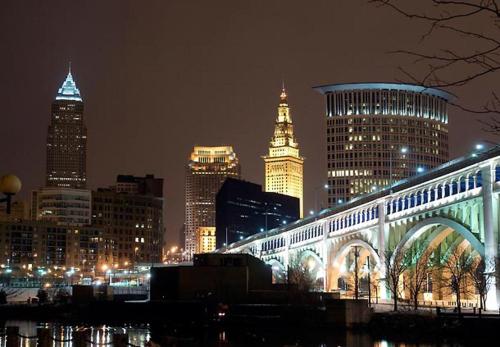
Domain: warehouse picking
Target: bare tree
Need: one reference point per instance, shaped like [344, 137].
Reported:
[396, 264]
[458, 266]
[481, 279]
[417, 276]
[474, 21]
[299, 275]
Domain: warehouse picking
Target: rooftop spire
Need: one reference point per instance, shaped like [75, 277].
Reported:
[68, 90]
[283, 96]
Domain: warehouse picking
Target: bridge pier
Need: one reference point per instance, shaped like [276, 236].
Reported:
[490, 222]
[382, 233]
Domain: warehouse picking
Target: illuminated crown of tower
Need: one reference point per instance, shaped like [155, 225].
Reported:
[283, 129]
[68, 90]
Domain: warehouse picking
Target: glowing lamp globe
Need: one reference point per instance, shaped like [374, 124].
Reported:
[10, 184]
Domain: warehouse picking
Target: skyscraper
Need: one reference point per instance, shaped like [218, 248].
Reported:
[283, 165]
[243, 209]
[207, 169]
[67, 139]
[379, 133]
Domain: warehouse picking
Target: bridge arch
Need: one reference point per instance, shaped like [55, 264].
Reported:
[278, 270]
[420, 228]
[342, 252]
[339, 256]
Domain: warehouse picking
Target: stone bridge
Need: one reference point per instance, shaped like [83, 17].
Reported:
[452, 207]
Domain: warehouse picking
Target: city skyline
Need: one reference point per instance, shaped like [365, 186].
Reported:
[150, 108]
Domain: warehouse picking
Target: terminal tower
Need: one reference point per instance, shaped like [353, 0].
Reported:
[284, 167]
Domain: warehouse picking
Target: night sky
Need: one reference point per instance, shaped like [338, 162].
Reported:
[158, 77]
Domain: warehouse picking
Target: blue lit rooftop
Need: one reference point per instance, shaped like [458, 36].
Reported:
[68, 90]
[330, 88]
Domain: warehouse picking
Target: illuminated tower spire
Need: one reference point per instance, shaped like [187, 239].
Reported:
[283, 164]
[68, 90]
[67, 139]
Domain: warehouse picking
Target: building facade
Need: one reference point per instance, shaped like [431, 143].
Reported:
[147, 185]
[243, 209]
[379, 133]
[62, 206]
[132, 224]
[205, 239]
[206, 172]
[67, 139]
[284, 167]
[26, 245]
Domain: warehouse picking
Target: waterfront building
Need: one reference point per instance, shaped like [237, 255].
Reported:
[223, 277]
[283, 165]
[27, 245]
[132, 223]
[67, 139]
[379, 133]
[63, 206]
[243, 209]
[206, 172]
[205, 239]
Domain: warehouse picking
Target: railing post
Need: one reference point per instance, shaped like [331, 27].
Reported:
[43, 336]
[12, 336]
[120, 340]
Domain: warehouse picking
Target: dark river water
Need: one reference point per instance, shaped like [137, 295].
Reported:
[139, 335]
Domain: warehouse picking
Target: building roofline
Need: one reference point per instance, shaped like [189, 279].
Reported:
[329, 88]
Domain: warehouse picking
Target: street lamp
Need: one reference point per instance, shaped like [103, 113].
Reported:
[356, 279]
[9, 186]
[420, 169]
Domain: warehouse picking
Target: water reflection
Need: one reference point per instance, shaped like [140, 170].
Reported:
[62, 335]
[139, 335]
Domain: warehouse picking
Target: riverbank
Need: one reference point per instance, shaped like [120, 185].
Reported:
[423, 326]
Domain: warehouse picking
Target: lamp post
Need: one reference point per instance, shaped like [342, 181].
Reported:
[356, 279]
[9, 186]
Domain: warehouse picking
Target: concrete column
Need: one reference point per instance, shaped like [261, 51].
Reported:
[325, 250]
[383, 229]
[490, 219]
[286, 256]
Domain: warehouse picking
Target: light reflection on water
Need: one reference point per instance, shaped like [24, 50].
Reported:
[99, 335]
[140, 335]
